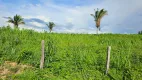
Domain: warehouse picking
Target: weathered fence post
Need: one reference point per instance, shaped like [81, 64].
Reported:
[108, 59]
[42, 55]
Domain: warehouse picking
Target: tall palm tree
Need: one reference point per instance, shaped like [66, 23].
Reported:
[50, 26]
[99, 14]
[16, 20]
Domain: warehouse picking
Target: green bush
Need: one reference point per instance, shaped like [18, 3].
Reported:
[24, 55]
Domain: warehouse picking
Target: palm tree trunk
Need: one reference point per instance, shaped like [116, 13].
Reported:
[98, 26]
[50, 30]
[16, 26]
[97, 31]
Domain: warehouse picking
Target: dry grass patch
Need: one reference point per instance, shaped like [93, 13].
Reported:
[10, 68]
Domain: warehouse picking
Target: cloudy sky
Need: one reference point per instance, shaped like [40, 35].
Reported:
[73, 16]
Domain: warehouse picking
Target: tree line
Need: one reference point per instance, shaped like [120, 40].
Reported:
[98, 15]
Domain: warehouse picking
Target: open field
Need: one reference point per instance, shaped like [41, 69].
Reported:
[72, 56]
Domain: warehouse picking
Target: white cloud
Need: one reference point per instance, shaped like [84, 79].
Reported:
[69, 20]
[36, 24]
[41, 17]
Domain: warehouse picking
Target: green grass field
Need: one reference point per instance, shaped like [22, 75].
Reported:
[72, 56]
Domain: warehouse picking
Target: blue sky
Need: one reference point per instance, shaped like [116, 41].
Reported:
[73, 16]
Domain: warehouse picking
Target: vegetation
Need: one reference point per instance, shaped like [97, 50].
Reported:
[140, 32]
[99, 14]
[16, 20]
[50, 26]
[71, 56]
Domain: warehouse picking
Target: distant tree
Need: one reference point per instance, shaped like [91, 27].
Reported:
[16, 20]
[50, 26]
[140, 32]
[99, 14]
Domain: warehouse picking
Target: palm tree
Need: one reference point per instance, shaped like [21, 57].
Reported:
[99, 14]
[16, 20]
[50, 26]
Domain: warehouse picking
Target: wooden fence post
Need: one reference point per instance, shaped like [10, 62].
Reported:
[108, 59]
[42, 55]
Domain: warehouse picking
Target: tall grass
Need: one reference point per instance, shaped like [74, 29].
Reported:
[73, 56]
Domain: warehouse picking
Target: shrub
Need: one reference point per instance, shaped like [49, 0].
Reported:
[25, 54]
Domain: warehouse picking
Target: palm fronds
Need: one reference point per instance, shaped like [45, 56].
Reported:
[99, 14]
[16, 20]
[50, 26]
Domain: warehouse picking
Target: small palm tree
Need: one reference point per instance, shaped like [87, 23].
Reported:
[16, 20]
[50, 26]
[99, 14]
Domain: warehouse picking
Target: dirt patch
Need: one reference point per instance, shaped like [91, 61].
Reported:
[11, 68]
[11, 63]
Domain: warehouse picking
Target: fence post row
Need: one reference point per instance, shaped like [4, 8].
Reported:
[42, 57]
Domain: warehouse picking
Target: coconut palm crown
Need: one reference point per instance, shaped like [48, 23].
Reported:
[16, 20]
[99, 14]
[50, 26]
